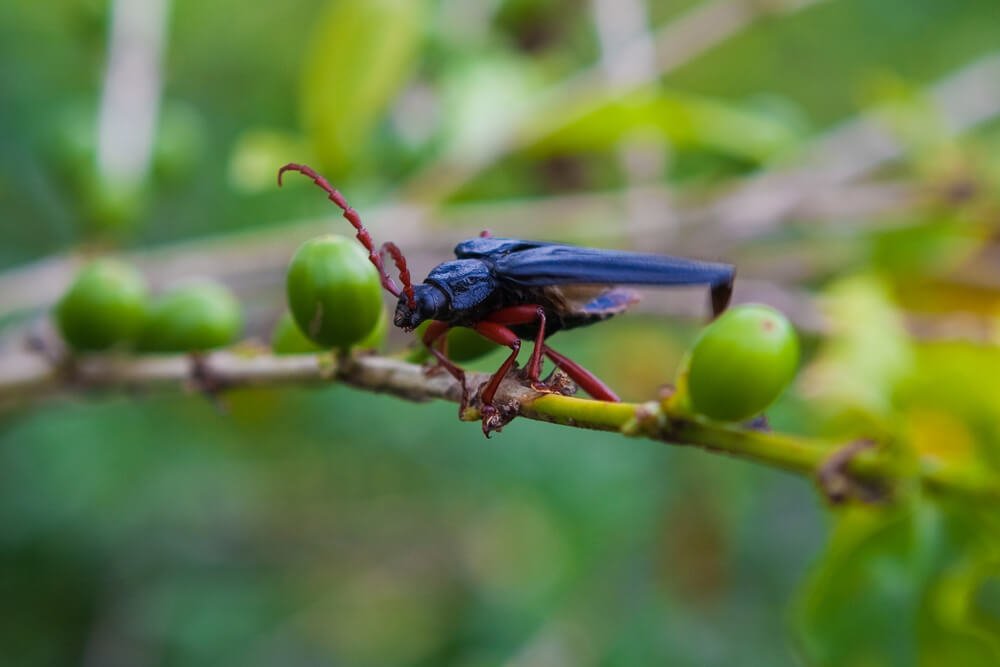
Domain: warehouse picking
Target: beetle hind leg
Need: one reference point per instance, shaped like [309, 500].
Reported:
[526, 315]
[587, 381]
[719, 297]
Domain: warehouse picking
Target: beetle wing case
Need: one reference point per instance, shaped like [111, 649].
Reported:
[490, 247]
[563, 265]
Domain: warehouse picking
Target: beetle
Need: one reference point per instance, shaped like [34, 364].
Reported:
[512, 289]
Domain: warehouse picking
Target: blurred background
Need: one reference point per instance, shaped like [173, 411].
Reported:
[845, 154]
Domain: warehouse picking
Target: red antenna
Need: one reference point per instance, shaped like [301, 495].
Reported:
[366, 239]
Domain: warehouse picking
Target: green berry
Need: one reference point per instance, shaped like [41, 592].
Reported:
[334, 292]
[287, 338]
[104, 306]
[741, 363]
[376, 338]
[464, 344]
[193, 317]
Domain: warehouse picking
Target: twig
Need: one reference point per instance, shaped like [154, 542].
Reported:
[33, 379]
[133, 82]
[964, 99]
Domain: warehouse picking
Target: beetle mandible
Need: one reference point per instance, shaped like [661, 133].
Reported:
[511, 289]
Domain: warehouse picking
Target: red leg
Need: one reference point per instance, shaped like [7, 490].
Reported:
[503, 336]
[433, 338]
[587, 380]
[525, 315]
[492, 419]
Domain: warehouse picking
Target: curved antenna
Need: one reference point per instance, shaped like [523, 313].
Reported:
[362, 234]
[404, 271]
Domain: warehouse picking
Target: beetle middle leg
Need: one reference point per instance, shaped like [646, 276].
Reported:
[526, 315]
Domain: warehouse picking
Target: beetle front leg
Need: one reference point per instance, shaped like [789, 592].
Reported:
[435, 338]
[434, 334]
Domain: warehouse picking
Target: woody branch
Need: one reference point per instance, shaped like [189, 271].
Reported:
[840, 468]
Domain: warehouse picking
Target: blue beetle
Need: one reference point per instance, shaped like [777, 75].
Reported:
[511, 289]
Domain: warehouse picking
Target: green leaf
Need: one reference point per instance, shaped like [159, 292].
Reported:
[863, 362]
[898, 586]
[859, 607]
[360, 54]
[954, 629]
[930, 247]
[953, 403]
[684, 120]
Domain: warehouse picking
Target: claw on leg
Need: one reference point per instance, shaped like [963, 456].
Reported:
[495, 417]
[542, 388]
[491, 420]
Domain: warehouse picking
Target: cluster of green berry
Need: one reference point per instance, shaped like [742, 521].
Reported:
[334, 296]
[109, 306]
[736, 368]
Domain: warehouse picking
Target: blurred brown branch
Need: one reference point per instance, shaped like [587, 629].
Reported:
[255, 263]
[964, 100]
[260, 257]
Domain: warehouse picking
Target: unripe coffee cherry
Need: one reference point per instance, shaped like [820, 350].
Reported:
[741, 363]
[104, 306]
[464, 344]
[377, 336]
[334, 292]
[193, 317]
[287, 338]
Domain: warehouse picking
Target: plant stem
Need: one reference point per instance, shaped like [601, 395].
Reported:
[29, 378]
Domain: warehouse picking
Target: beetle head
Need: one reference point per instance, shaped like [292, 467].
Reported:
[428, 303]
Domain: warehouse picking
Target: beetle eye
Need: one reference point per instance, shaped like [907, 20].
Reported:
[402, 316]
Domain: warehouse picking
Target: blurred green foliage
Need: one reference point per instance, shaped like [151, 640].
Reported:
[334, 527]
